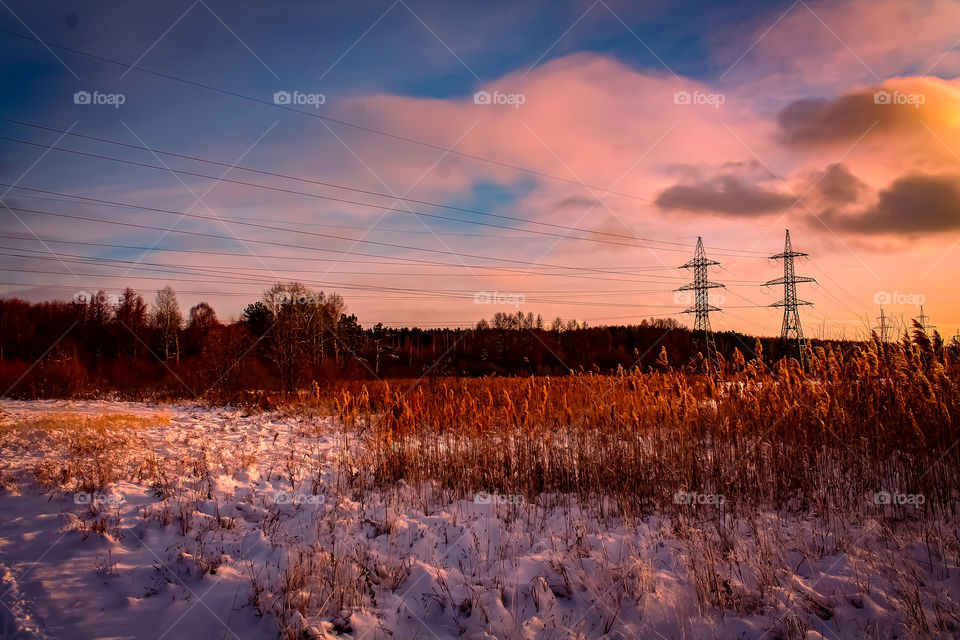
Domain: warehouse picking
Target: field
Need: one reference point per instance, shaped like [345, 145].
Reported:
[432, 320]
[768, 503]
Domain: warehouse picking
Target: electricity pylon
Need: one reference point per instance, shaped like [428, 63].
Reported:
[922, 319]
[884, 326]
[791, 328]
[701, 286]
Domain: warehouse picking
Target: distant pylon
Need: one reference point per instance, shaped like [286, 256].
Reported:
[701, 286]
[884, 327]
[791, 328]
[922, 319]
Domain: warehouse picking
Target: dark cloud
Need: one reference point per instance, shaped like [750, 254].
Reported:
[838, 186]
[912, 204]
[725, 194]
[751, 170]
[846, 118]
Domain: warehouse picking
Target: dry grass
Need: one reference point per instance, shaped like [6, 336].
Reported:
[883, 418]
[797, 457]
[78, 422]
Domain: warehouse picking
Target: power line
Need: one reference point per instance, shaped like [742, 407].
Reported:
[232, 273]
[388, 261]
[356, 126]
[48, 240]
[391, 259]
[333, 185]
[72, 200]
[248, 279]
[272, 228]
[376, 229]
[427, 293]
[391, 245]
[406, 211]
[831, 295]
[418, 323]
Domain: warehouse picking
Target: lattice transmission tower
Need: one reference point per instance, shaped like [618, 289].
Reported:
[924, 324]
[701, 287]
[884, 326]
[791, 329]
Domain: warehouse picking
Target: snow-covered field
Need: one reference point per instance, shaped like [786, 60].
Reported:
[191, 522]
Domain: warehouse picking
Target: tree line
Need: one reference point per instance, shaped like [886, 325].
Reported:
[293, 336]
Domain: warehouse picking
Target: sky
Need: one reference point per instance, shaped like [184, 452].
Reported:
[438, 162]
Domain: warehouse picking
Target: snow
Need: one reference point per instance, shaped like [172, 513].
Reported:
[218, 523]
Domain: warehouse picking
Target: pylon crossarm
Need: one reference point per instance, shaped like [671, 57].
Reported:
[706, 285]
[699, 263]
[784, 280]
[785, 303]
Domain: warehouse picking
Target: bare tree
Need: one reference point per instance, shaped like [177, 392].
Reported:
[166, 318]
[305, 328]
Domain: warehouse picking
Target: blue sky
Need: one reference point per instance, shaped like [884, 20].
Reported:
[598, 78]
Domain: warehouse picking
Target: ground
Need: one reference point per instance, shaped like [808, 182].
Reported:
[128, 520]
